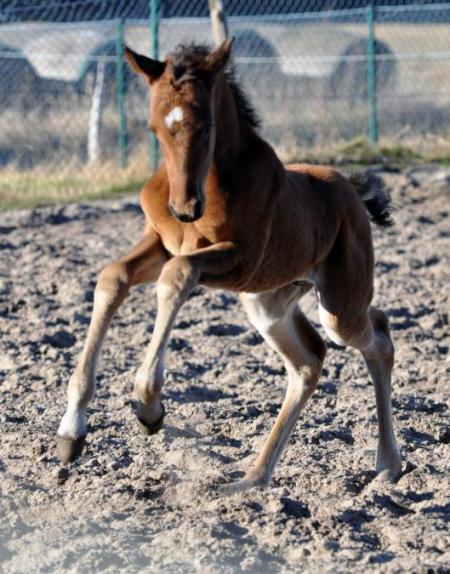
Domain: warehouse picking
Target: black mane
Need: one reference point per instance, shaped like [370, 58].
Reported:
[187, 57]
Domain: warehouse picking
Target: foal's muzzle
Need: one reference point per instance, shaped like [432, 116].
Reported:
[195, 211]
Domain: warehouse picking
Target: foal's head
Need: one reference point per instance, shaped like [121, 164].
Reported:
[182, 117]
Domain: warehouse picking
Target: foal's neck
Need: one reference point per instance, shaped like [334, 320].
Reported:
[231, 129]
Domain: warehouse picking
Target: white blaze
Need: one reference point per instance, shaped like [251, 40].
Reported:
[175, 115]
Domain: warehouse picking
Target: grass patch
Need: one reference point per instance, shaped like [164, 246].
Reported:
[31, 189]
[27, 193]
[359, 152]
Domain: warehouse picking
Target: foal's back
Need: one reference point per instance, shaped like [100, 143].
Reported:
[324, 193]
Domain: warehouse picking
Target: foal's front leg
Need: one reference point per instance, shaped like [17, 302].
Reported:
[178, 277]
[142, 264]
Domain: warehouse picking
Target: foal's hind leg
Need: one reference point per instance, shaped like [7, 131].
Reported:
[288, 332]
[370, 334]
[143, 263]
[379, 358]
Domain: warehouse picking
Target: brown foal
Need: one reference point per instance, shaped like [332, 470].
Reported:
[222, 211]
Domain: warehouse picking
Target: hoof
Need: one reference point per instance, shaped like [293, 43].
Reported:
[153, 427]
[69, 449]
[389, 468]
[388, 475]
[243, 485]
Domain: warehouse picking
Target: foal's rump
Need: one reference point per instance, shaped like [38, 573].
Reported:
[368, 186]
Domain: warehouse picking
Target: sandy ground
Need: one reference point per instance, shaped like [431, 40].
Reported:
[133, 503]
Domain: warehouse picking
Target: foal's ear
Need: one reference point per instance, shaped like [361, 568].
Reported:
[217, 60]
[151, 69]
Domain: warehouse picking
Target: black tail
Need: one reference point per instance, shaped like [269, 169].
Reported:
[373, 192]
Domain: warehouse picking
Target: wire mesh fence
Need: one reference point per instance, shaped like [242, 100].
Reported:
[73, 117]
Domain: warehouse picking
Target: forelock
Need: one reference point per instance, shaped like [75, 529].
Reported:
[187, 59]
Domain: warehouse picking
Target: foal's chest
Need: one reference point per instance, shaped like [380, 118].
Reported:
[185, 240]
[181, 238]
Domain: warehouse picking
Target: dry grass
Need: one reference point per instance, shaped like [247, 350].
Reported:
[390, 150]
[42, 185]
[359, 151]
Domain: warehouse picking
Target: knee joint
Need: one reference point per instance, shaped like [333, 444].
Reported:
[310, 365]
[177, 277]
[113, 281]
[381, 345]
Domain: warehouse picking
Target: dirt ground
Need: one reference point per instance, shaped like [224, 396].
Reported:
[133, 503]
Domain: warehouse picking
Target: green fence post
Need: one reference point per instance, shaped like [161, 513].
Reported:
[154, 53]
[372, 76]
[120, 76]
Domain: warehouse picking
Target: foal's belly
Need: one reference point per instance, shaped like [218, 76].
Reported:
[277, 270]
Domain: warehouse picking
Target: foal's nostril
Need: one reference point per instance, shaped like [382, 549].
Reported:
[197, 212]
[185, 218]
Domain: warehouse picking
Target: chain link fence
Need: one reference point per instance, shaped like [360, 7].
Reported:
[73, 117]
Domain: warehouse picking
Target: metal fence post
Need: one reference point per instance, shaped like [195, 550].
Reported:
[154, 53]
[120, 75]
[372, 75]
